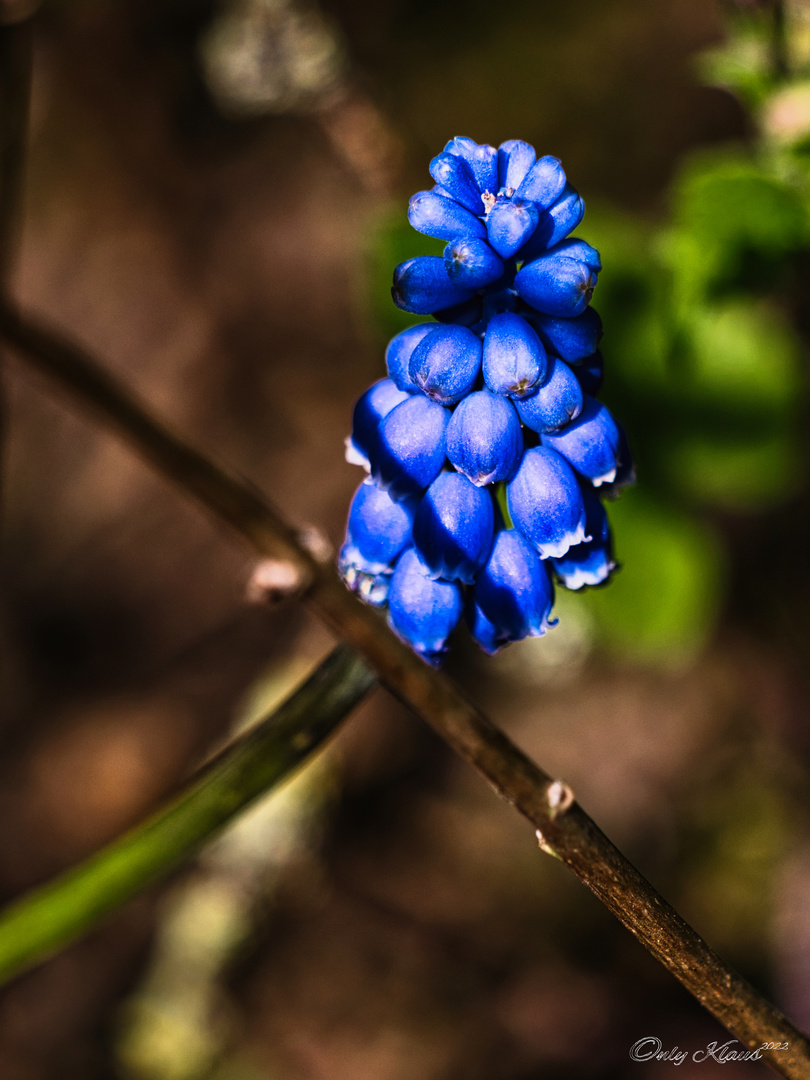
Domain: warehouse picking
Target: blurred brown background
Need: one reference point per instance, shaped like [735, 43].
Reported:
[205, 195]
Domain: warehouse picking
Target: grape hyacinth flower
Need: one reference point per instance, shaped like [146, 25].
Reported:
[422, 610]
[410, 447]
[445, 364]
[514, 360]
[590, 443]
[555, 403]
[484, 438]
[512, 596]
[591, 562]
[545, 503]
[371, 408]
[379, 530]
[496, 397]
[453, 527]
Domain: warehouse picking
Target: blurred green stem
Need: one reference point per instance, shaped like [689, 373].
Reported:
[48, 918]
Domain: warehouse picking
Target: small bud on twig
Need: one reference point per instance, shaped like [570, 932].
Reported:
[560, 798]
[272, 581]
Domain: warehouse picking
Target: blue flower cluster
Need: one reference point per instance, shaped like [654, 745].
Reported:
[485, 446]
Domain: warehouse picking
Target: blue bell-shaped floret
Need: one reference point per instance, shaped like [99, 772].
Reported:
[484, 440]
[570, 339]
[545, 502]
[554, 404]
[445, 364]
[442, 217]
[590, 443]
[399, 351]
[482, 159]
[510, 223]
[380, 398]
[591, 562]
[455, 178]
[411, 447]
[423, 611]
[555, 224]
[453, 527]
[543, 183]
[515, 158]
[471, 263]
[377, 533]
[421, 285]
[562, 281]
[514, 360]
[514, 590]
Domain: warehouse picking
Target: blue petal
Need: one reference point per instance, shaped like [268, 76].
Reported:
[423, 612]
[454, 175]
[543, 183]
[436, 215]
[472, 264]
[590, 443]
[545, 503]
[570, 339]
[453, 527]
[411, 447]
[591, 562]
[446, 363]
[590, 374]
[515, 158]
[482, 159]
[398, 354]
[376, 403]
[484, 440]
[514, 360]
[421, 285]
[514, 590]
[556, 403]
